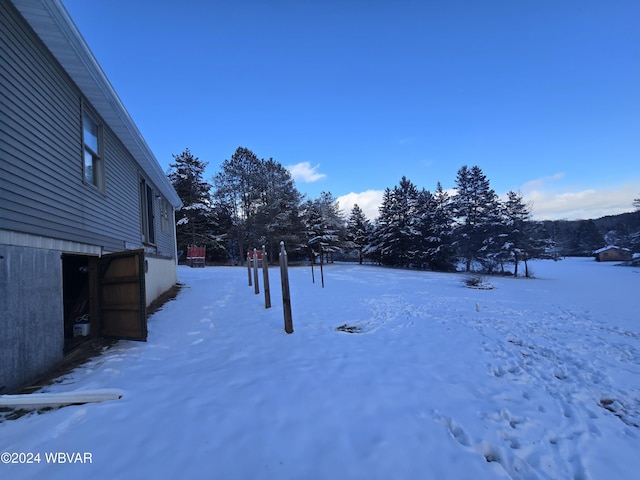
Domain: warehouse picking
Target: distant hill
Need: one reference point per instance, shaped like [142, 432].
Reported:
[624, 220]
[582, 237]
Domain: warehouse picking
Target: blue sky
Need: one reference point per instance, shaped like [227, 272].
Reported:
[543, 95]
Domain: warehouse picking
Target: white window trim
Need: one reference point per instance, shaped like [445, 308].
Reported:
[97, 157]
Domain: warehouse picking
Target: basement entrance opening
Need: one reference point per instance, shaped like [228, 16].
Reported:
[104, 297]
[75, 294]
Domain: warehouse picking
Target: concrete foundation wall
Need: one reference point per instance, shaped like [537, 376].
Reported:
[160, 276]
[31, 314]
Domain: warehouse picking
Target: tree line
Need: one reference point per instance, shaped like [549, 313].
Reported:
[253, 202]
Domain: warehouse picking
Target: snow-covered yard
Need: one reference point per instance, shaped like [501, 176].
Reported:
[534, 379]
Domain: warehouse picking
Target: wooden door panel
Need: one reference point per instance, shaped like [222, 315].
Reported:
[122, 295]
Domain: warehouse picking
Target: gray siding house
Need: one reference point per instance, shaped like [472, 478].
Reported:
[87, 230]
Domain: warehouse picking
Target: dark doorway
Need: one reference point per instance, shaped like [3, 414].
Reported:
[103, 297]
[75, 294]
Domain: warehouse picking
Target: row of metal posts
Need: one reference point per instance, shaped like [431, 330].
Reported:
[284, 279]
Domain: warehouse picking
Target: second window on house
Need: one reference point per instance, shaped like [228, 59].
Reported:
[164, 216]
[93, 166]
[147, 213]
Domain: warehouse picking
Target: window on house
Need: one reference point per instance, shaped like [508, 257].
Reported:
[164, 215]
[147, 213]
[93, 165]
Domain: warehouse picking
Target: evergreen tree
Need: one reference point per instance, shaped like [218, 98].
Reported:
[435, 225]
[383, 237]
[407, 200]
[586, 239]
[334, 221]
[396, 232]
[314, 228]
[359, 229]
[558, 235]
[518, 239]
[423, 240]
[195, 222]
[476, 214]
[325, 225]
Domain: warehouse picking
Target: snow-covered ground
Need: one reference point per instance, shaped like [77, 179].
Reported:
[534, 379]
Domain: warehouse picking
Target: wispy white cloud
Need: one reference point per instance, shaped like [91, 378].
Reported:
[368, 201]
[304, 172]
[541, 182]
[551, 203]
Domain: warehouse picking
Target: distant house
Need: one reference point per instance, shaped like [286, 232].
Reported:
[612, 253]
[87, 231]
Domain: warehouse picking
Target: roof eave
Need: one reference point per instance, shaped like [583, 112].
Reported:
[53, 24]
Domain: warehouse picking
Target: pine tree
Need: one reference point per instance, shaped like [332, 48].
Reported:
[314, 228]
[517, 234]
[558, 236]
[325, 225]
[423, 241]
[476, 212]
[195, 222]
[407, 198]
[586, 239]
[382, 237]
[359, 229]
[436, 224]
[396, 231]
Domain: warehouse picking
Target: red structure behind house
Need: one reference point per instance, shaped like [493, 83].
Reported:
[196, 255]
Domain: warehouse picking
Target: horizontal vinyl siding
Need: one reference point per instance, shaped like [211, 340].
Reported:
[121, 187]
[40, 132]
[42, 191]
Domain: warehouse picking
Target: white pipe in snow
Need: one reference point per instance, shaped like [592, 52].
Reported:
[37, 400]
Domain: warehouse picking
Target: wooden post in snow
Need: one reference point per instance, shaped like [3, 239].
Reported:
[265, 277]
[286, 294]
[249, 268]
[256, 288]
[313, 260]
[321, 270]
